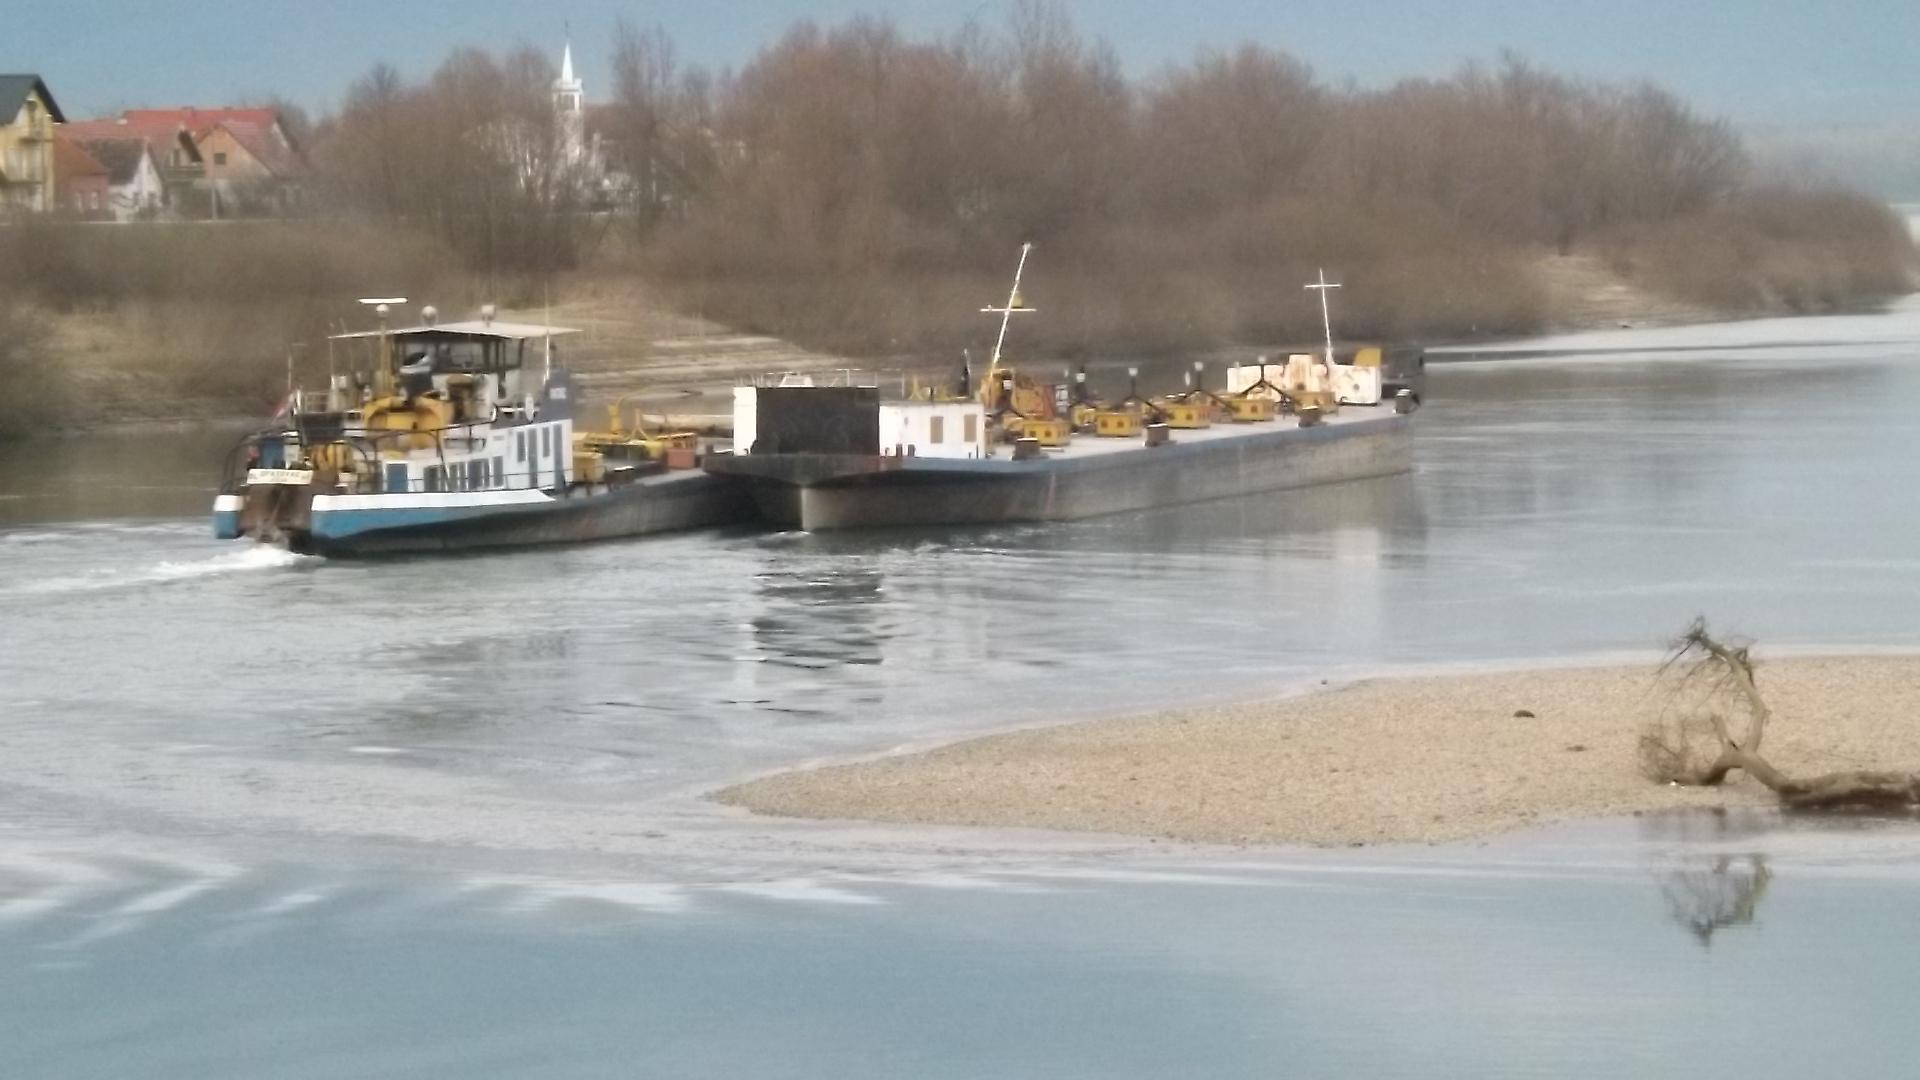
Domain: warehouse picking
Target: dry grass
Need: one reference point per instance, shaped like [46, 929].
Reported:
[197, 319]
[35, 386]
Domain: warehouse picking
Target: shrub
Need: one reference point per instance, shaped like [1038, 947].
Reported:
[1811, 250]
[37, 395]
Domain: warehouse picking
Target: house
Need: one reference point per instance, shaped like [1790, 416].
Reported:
[136, 187]
[222, 160]
[246, 153]
[166, 168]
[81, 186]
[28, 115]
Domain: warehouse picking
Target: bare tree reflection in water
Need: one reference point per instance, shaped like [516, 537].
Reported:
[1709, 897]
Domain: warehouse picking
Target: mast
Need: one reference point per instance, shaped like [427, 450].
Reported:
[1013, 305]
[383, 364]
[1326, 321]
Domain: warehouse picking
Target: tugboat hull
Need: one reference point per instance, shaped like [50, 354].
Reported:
[348, 526]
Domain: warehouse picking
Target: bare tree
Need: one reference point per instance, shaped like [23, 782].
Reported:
[657, 133]
[1254, 117]
[1674, 752]
[477, 154]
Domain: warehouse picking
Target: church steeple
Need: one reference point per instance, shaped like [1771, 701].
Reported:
[567, 90]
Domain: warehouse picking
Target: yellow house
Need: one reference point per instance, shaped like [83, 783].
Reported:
[27, 116]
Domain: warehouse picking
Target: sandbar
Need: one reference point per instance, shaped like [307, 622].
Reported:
[1392, 760]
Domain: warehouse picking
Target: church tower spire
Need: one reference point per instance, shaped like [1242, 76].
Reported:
[568, 92]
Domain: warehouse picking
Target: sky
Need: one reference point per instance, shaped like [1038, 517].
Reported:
[1798, 63]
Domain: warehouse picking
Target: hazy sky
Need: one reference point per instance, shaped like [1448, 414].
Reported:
[1756, 61]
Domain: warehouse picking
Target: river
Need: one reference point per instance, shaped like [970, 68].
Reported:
[262, 813]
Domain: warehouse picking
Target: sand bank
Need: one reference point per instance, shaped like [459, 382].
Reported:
[1390, 760]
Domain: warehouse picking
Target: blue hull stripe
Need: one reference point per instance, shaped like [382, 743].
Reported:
[336, 524]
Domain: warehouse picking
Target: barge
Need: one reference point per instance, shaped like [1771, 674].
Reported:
[457, 436]
[1012, 449]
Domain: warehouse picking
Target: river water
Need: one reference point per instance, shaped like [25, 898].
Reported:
[262, 813]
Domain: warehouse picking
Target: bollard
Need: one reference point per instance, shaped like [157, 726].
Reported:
[1157, 435]
[1309, 416]
[1404, 402]
[1026, 448]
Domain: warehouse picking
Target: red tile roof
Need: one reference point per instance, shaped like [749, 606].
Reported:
[260, 142]
[120, 154]
[199, 120]
[257, 130]
[161, 138]
[71, 161]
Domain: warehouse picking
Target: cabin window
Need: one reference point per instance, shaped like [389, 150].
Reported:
[971, 426]
[396, 478]
[499, 471]
[936, 429]
[546, 442]
[519, 446]
[433, 478]
[476, 475]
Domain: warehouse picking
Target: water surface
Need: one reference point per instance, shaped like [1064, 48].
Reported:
[269, 814]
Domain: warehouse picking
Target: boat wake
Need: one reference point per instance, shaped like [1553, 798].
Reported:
[251, 558]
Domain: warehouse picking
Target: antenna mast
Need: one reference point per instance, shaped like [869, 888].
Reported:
[1013, 305]
[1326, 321]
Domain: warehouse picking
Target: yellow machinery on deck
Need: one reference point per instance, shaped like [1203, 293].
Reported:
[1250, 410]
[1117, 423]
[422, 416]
[1051, 431]
[628, 442]
[1191, 414]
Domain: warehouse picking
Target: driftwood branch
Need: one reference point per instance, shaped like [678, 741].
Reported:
[1673, 753]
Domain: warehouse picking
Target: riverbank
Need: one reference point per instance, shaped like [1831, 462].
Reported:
[93, 350]
[1391, 760]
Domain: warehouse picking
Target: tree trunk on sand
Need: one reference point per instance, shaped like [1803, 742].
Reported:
[1665, 754]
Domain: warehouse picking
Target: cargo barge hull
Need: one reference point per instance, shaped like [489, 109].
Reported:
[817, 492]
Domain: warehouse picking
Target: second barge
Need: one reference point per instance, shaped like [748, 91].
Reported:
[820, 457]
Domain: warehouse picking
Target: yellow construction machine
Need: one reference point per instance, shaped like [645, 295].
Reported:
[633, 441]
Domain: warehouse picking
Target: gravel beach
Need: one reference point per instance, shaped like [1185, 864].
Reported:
[1390, 760]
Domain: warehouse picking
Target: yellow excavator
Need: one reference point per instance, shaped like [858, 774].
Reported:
[1022, 406]
[634, 440]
